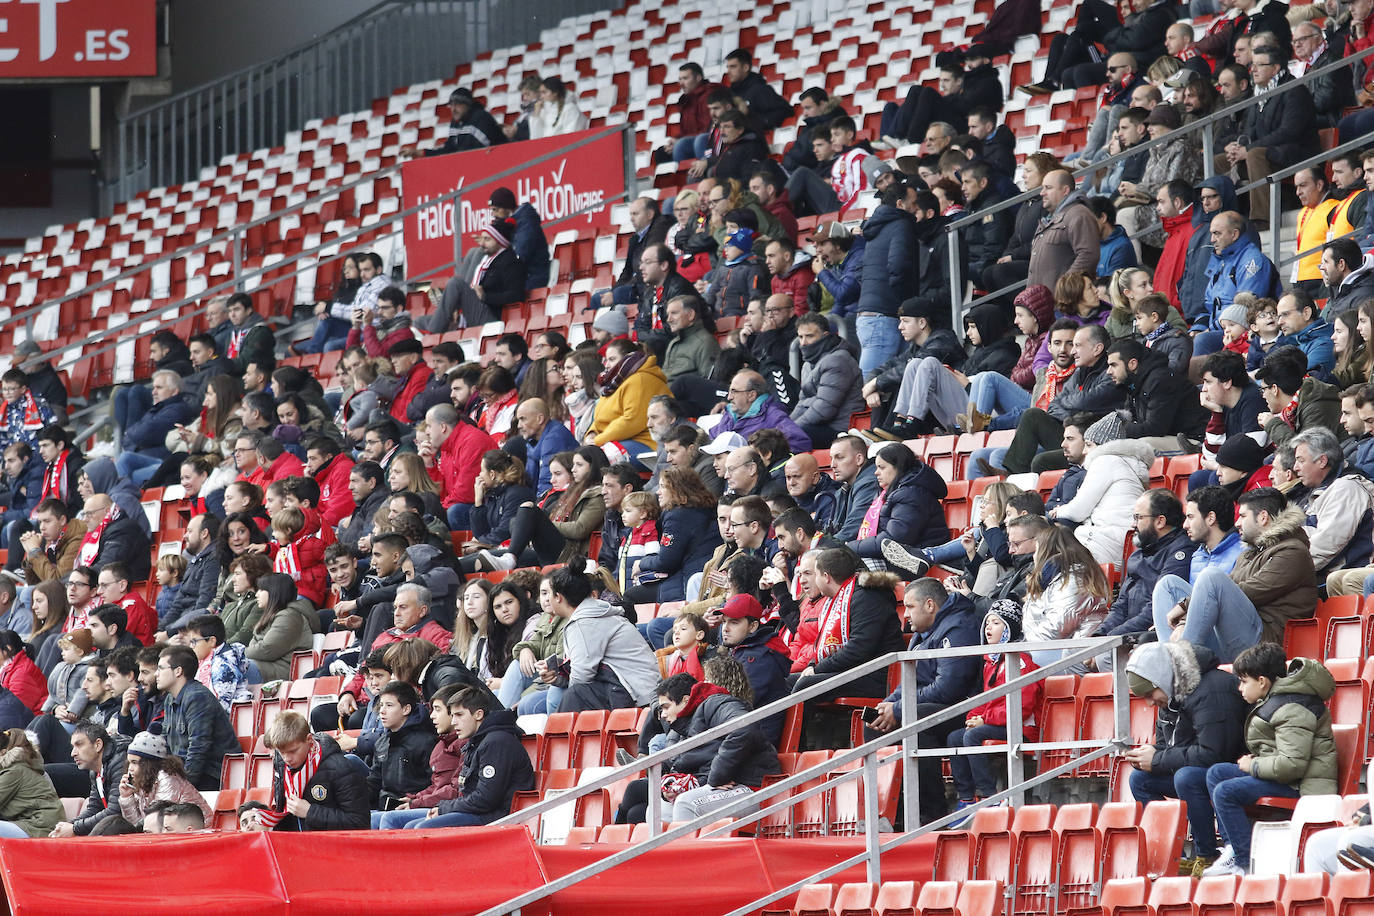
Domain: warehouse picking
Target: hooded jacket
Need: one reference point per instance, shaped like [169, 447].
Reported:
[495, 767]
[769, 108]
[337, 792]
[831, 385]
[911, 514]
[941, 344]
[1203, 721]
[27, 797]
[291, 631]
[1090, 390]
[400, 760]
[764, 413]
[767, 664]
[1354, 289]
[987, 238]
[738, 160]
[1160, 402]
[1068, 240]
[1319, 405]
[997, 352]
[688, 536]
[800, 152]
[844, 282]
[889, 274]
[743, 757]
[1117, 473]
[1178, 235]
[945, 681]
[1023, 373]
[1241, 268]
[477, 129]
[1339, 523]
[795, 283]
[875, 629]
[598, 634]
[1192, 285]
[691, 351]
[1288, 733]
[1277, 574]
[1131, 612]
[932, 263]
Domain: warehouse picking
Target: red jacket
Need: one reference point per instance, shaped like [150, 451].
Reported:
[994, 712]
[419, 377]
[368, 340]
[459, 462]
[781, 207]
[445, 765]
[303, 561]
[1179, 230]
[802, 646]
[23, 678]
[286, 465]
[427, 630]
[142, 617]
[695, 116]
[336, 500]
[313, 528]
[795, 284]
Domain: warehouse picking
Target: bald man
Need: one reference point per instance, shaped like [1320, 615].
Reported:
[750, 406]
[1237, 266]
[1068, 237]
[813, 491]
[544, 437]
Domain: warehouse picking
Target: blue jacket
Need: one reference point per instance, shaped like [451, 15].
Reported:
[491, 520]
[1067, 488]
[531, 245]
[1132, 611]
[1258, 351]
[1315, 341]
[25, 490]
[1116, 253]
[149, 432]
[1193, 283]
[911, 513]
[688, 538]
[843, 282]
[946, 681]
[889, 268]
[1242, 267]
[554, 439]
[852, 502]
[198, 731]
[1223, 557]
[767, 665]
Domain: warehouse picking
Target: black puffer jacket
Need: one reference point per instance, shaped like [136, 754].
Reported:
[889, 275]
[1204, 722]
[1090, 389]
[1161, 403]
[101, 805]
[1132, 610]
[744, 756]
[495, 767]
[998, 352]
[911, 513]
[400, 760]
[491, 520]
[337, 792]
[874, 630]
[987, 238]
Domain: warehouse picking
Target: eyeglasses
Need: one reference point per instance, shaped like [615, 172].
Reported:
[195, 641]
[1137, 518]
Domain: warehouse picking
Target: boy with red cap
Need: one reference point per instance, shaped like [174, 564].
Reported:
[758, 647]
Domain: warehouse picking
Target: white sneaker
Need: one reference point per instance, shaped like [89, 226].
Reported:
[497, 561]
[1225, 864]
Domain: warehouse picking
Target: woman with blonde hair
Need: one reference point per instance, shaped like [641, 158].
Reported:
[29, 806]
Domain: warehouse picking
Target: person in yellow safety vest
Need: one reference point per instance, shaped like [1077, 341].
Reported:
[1313, 222]
[1347, 176]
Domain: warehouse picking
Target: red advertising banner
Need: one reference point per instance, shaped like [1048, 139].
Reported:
[66, 38]
[560, 185]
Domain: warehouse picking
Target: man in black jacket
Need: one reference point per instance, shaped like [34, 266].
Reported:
[958, 93]
[650, 228]
[740, 153]
[501, 283]
[1281, 130]
[1160, 405]
[1089, 390]
[103, 756]
[334, 796]
[659, 284]
[199, 582]
[1201, 721]
[195, 725]
[1349, 282]
[766, 107]
[917, 323]
[932, 253]
[617, 482]
[470, 127]
[365, 483]
[988, 237]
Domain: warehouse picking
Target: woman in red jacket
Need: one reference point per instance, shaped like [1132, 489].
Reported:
[18, 674]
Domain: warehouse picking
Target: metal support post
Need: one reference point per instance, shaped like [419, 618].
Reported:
[911, 781]
[870, 787]
[1015, 732]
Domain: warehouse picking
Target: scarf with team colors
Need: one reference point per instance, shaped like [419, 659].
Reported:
[294, 782]
[834, 627]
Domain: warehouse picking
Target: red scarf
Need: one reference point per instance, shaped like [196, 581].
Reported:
[205, 429]
[834, 628]
[1053, 379]
[236, 341]
[493, 411]
[90, 544]
[33, 420]
[293, 784]
[55, 478]
[1289, 414]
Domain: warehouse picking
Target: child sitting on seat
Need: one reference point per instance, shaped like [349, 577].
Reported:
[445, 764]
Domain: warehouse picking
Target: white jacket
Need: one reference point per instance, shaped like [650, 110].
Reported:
[1117, 473]
[1062, 611]
[548, 121]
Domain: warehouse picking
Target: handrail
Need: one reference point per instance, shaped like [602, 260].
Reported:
[952, 228]
[1075, 651]
[233, 283]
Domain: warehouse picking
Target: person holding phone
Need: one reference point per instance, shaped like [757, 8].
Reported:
[314, 785]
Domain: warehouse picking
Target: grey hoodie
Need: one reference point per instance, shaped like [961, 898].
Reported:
[599, 634]
[441, 581]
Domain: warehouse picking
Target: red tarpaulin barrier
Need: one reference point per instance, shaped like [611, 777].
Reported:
[421, 872]
[557, 187]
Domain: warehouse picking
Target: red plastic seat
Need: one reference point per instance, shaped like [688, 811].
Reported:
[854, 899]
[1304, 895]
[1216, 896]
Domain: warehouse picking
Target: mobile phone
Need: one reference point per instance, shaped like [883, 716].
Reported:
[870, 714]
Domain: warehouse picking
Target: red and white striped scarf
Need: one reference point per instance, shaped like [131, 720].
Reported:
[90, 545]
[33, 419]
[55, 479]
[834, 627]
[294, 783]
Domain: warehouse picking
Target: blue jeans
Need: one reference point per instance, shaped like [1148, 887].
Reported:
[541, 701]
[950, 551]
[130, 403]
[878, 340]
[633, 449]
[656, 631]
[1190, 785]
[994, 393]
[1220, 617]
[458, 819]
[1207, 343]
[973, 775]
[395, 820]
[1355, 124]
[460, 517]
[1231, 790]
[138, 466]
[691, 147]
[330, 334]
[992, 456]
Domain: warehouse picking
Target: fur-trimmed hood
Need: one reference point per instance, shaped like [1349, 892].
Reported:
[1289, 524]
[16, 755]
[1174, 667]
[886, 581]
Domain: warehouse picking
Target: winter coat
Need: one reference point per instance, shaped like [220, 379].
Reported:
[1177, 349]
[764, 413]
[56, 562]
[1277, 574]
[994, 712]
[765, 105]
[1117, 473]
[197, 589]
[945, 681]
[851, 504]
[1161, 403]
[738, 160]
[653, 305]
[1068, 240]
[800, 152]
[337, 792]
[1027, 223]
[1178, 232]
[491, 520]
[64, 685]
[1354, 289]
[400, 761]
[735, 284]
[445, 763]
[550, 119]
[831, 386]
[1202, 723]
[653, 234]
[693, 350]
[531, 246]
[911, 514]
[598, 634]
[1114, 253]
[795, 283]
[1241, 267]
[1131, 612]
[1285, 125]
[743, 757]
[495, 767]
[1089, 390]
[767, 664]
[1288, 733]
[587, 515]
[1063, 610]
[553, 438]
[477, 129]
[166, 787]
[932, 264]
[1142, 33]
[459, 461]
[1338, 523]
[198, 731]
[27, 797]
[290, 631]
[23, 678]
[1319, 404]
[1181, 158]
[844, 282]
[889, 274]
[874, 630]
[987, 238]
[240, 614]
[149, 430]
[103, 800]
[623, 415]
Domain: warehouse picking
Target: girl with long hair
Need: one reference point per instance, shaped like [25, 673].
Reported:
[152, 774]
[1353, 357]
[512, 621]
[1066, 592]
[555, 113]
[472, 627]
[283, 629]
[580, 370]
[29, 806]
[48, 605]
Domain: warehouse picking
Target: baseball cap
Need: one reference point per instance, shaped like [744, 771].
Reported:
[725, 442]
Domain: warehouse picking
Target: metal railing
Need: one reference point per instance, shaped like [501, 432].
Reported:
[172, 313]
[1205, 125]
[823, 776]
[393, 44]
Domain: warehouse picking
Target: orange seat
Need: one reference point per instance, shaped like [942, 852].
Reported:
[896, 898]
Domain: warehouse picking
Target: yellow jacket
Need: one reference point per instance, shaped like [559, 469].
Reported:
[623, 414]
